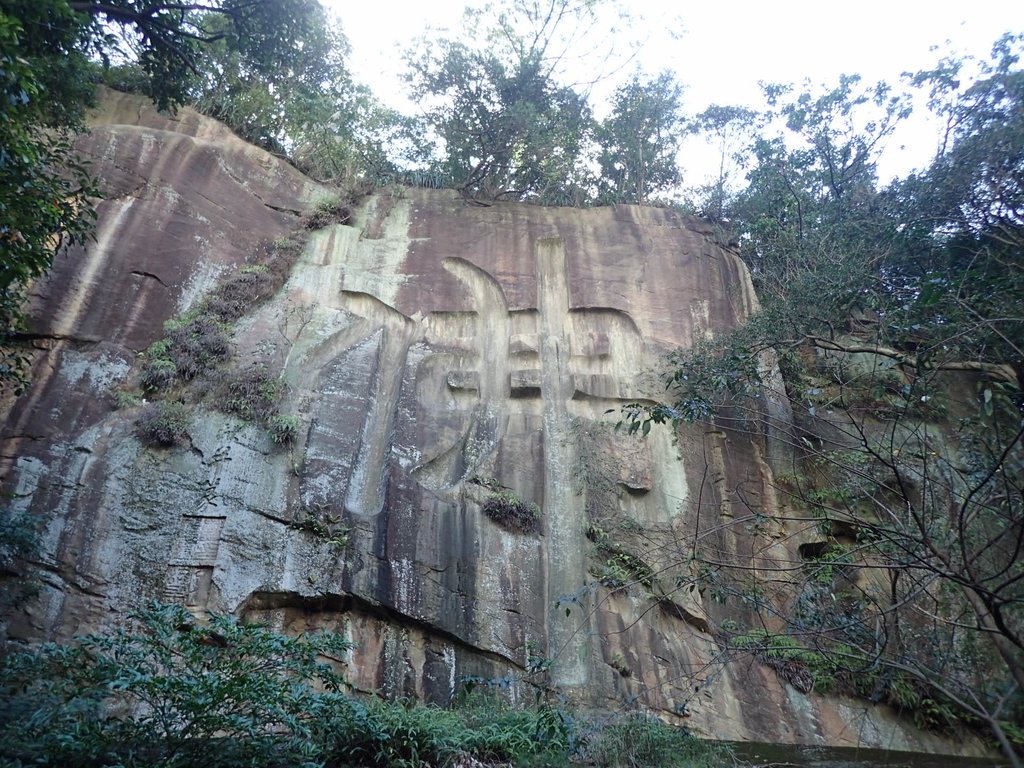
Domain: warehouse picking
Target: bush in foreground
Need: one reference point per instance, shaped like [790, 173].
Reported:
[172, 693]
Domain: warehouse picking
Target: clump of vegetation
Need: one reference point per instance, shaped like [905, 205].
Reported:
[283, 429]
[197, 341]
[620, 567]
[162, 424]
[804, 669]
[173, 692]
[159, 371]
[323, 525]
[638, 739]
[826, 563]
[252, 393]
[512, 513]
[125, 399]
[257, 281]
[333, 210]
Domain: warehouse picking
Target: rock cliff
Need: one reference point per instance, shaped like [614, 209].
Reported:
[448, 365]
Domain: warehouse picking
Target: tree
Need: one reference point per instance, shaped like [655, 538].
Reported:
[963, 218]
[50, 51]
[640, 139]
[507, 129]
[810, 190]
[43, 188]
[261, 89]
[728, 127]
[168, 39]
[503, 99]
[896, 317]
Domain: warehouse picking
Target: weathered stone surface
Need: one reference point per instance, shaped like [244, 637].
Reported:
[435, 352]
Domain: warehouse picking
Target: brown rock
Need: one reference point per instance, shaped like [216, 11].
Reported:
[433, 350]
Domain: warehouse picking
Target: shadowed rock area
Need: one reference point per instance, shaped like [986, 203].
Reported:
[437, 354]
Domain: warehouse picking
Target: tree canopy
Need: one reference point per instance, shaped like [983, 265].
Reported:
[640, 139]
[507, 128]
[897, 315]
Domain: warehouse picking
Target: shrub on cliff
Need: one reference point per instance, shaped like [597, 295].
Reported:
[162, 424]
[512, 513]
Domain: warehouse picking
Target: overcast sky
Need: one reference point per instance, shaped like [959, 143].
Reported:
[720, 49]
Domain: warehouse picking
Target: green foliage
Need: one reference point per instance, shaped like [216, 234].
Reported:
[728, 129]
[398, 735]
[640, 140]
[826, 565]
[197, 341]
[328, 211]
[124, 399]
[171, 693]
[19, 546]
[323, 525]
[283, 429]
[508, 130]
[174, 692]
[637, 740]
[177, 48]
[620, 567]
[194, 345]
[805, 669]
[43, 184]
[257, 75]
[497, 731]
[162, 424]
[252, 393]
[512, 513]
[702, 379]
[962, 218]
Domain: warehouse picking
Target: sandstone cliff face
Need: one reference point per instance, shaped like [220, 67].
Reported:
[435, 353]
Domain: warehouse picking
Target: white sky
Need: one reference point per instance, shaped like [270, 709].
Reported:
[720, 49]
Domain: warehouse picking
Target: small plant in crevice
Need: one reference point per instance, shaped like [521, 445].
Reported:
[512, 513]
[332, 210]
[159, 371]
[619, 664]
[252, 393]
[162, 424]
[612, 575]
[283, 429]
[123, 399]
[490, 483]
[620, 566]
[323, 525]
